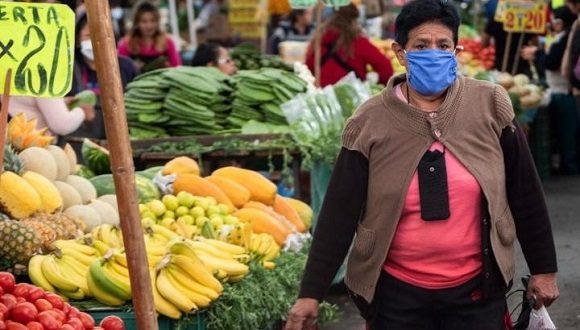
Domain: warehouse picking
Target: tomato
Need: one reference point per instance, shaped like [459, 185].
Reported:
[2, 325]
[67, 327]
[48, 321]
[20, 300]
[57, 315]
[55, 300]
[73, 313]
[7, 282]
[1, 291]
[10, 325]
[35, 293]
[24, 313]
[112, 322]
[76, 323]
[34, 326]
[43, 305]
[87, 320]
[4, 310]
[8, 300]
[1, 316]
[21, 290]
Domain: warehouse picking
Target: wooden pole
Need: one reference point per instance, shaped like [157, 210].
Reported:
[4, 116]
[107, 63]
[317, 42]
[517, 56]
[506, 52]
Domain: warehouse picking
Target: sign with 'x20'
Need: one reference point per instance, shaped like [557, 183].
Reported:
[37, 43]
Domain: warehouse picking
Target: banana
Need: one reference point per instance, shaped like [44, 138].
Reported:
[243, 258]
[223, 246]
[162, 306]
[183, 230]
[200, 300]
[74, 295]
[247, 233]
[263, 245]
[101, 295]
[272, 252]
[184, 279]
[197, 271]
[172, 294]
[122, 281]
[182, 247]
[96, 233]
[154, 249]
[221, 275]
[153, 260]
[117, 267]
[78, 274]
[53, 273]
[101, 247]
[75, 244]
[109, 235]
[120, 258]
[269, 265]
[231, 267]
[109, 285]
[156, 239]
[209, 249]
[254, 243]
[81, 257]
[236, 279]
[168, 234]
[36, 275]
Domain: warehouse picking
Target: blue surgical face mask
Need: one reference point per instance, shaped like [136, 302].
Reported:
[431, 71]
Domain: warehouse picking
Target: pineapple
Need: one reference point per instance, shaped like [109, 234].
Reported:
[18, 242]
[64, 226]
[43, 231]
[12, 162]
[22, 133]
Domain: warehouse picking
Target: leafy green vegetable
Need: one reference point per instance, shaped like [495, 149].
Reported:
[86, 97]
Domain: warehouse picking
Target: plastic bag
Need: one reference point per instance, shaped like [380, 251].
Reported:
[540, 320]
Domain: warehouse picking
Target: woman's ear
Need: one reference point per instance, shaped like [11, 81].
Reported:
[400, 54]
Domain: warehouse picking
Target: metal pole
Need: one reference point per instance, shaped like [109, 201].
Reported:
[191, 25]
[173, 23]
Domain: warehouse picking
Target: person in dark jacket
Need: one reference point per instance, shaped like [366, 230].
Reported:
[432, 186]
[298, 27]
[564, 118]
[85, 77]
[345, 49]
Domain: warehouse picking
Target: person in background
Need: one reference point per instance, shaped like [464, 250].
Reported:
[433, 185]
[564, 118]
[571, 60]
[146, 44]
[344, 48]
[85, 76]
[298, 27]
[211, 54]
[209, 8]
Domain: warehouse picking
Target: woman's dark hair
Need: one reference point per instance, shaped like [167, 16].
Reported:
[344, 21]
[566, 15]
[295, 14]
[81, 22]
[134, 37]
[206, 53]
[418, 12]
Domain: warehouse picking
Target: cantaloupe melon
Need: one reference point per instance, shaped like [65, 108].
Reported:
[83, 186]
[62, 161]
[110, 199]
[107, 212]
[39, 160]
[72, 158]
[70, 196]
[87, 214]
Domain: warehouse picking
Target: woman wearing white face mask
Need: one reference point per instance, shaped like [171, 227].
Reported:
[435, 179]
[85, 77]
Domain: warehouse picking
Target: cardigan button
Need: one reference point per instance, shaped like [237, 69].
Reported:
[433, 115]
[486, 275]
[437, 133]
[485, 222]
[485, 251]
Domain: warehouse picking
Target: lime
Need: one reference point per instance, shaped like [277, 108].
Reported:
[168, 214]
[148, 214]
[203, 203]
[185, 199]
[231, 220]
[188, 219]
[216, 222]
[201, 221]
[224, 209]
[167, 222]
[213, 210]
[182, 210]
[197, 212]
[143, 208]
[211, 200]
[157, 207]
[147, 222]
[170, 201]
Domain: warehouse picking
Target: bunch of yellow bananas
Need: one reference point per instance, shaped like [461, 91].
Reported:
[108, 234]
[108, 280]
[65, 271]
[264, 248]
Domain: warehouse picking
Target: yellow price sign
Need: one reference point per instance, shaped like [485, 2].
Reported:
[526, 16]
[37, 43]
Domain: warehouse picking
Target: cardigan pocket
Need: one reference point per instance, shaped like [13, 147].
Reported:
[364, 242]
[506, 228]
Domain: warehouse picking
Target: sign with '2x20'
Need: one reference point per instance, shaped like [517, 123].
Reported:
[37, 43]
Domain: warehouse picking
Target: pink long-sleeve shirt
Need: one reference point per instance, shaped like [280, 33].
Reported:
[150, 52]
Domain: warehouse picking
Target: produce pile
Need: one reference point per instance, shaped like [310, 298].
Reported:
[195, 101]
[523, 93]
[386, 48]
[248, 57]
[474, 58]
[25, 306]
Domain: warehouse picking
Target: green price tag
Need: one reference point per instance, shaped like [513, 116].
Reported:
[37, 43]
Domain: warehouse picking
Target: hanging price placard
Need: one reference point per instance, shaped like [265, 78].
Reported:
[525, 16]
[37, 43]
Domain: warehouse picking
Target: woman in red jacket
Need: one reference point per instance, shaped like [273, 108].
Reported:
[345, 49]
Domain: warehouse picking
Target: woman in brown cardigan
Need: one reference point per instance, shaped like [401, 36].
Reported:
[434, 182]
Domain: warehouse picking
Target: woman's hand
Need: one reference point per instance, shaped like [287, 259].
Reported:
[69, 99]
[544, 289]
[529, 53]
[89, 112]
[303, 315]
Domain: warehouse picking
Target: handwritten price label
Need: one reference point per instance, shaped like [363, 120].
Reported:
[526, 16]
[37, 43]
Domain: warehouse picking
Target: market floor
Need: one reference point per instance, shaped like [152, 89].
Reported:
[563, 197]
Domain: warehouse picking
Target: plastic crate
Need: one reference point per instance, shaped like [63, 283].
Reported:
[194, 322]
